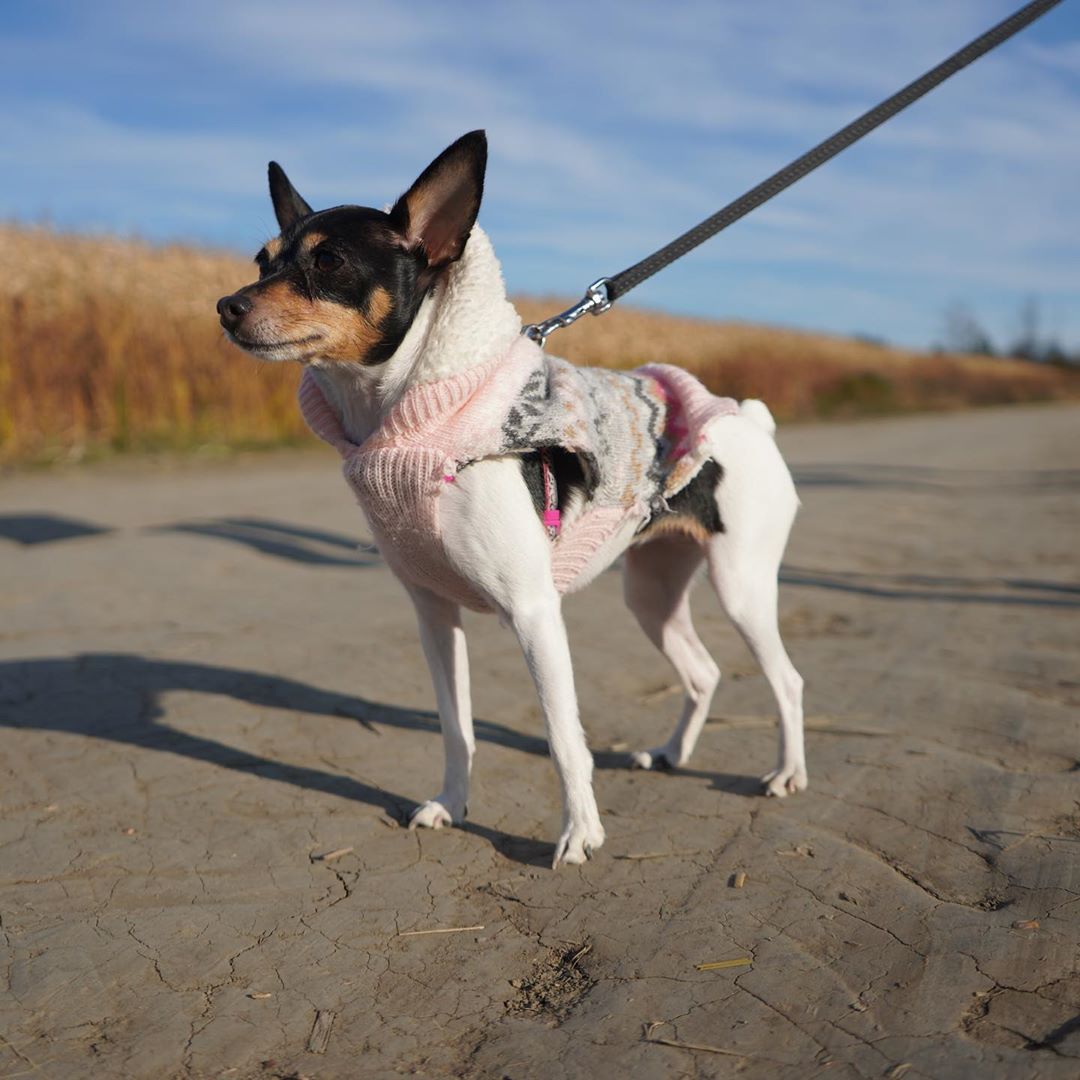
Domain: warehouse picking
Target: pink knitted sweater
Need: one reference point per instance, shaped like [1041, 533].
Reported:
[641, 437]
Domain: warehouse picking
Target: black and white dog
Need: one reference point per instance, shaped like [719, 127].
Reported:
[377, 303]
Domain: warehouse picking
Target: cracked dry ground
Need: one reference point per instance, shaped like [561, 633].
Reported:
[203, 683]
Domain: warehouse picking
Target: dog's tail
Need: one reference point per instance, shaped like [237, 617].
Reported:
[758, 411]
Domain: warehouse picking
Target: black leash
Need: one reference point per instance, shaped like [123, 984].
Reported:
[601, 294]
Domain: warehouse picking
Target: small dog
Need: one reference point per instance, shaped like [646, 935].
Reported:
[499, 478]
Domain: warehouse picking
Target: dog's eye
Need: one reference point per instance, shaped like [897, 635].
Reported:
[327, 260]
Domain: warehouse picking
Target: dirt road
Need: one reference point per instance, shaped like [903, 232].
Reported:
[204, 684]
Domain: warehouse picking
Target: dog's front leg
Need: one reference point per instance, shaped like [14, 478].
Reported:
[443, 641]
[539, 626]
[493, 535]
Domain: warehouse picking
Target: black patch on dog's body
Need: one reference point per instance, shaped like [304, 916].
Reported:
[532, 472]
[695, 505]
[698, 499]
[566, 472]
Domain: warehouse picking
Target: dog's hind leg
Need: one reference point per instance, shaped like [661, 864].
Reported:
[748, 594]
[757, 504]
[443, 641]
[657, 580]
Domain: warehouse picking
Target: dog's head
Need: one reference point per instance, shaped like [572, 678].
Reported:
[345, 284]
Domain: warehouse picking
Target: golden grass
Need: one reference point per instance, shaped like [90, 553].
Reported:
[113, 344]
[110, 344]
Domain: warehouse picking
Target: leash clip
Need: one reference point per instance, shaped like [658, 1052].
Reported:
[595, 302]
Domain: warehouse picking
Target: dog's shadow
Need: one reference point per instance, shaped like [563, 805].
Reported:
[729, 783]
[299, 544]
[118, 697]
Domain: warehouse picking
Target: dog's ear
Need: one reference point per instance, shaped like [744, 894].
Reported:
[289, 207]
[438, 212]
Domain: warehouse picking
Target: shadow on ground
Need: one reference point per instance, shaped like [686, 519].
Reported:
[117, 697]
[31, 529]
[951, 589]
[314, 547]
[933, 478]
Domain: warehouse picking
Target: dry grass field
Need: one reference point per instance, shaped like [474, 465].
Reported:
[111, 345]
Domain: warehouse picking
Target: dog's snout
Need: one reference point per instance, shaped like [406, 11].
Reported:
[233, 308]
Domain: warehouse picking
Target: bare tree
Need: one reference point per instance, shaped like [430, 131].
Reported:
[964, 333]
[1029, 344]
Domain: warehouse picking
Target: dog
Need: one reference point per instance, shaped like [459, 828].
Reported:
[416, 369]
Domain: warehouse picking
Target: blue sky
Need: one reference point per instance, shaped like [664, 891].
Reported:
[612, 127]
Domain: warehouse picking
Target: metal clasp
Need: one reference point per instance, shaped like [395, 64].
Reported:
[595, 301]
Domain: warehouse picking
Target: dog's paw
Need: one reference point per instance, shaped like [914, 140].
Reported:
[781, 782]
[577, 844]
[659, 760]
[433, 815]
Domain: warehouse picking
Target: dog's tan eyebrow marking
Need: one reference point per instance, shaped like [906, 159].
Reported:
[312, 241]
[272, 248]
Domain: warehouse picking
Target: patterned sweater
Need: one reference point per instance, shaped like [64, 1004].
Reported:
[640, 436]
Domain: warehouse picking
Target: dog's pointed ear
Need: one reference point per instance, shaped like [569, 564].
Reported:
[289, 206]
[438, 212]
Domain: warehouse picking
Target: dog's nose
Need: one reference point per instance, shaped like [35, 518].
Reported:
[232, 309]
